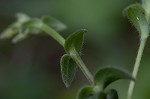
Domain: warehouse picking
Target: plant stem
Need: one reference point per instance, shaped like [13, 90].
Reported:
[53, 34]
[136, 67]
[75, 56]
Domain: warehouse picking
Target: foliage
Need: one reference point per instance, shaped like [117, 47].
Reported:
[24, 26]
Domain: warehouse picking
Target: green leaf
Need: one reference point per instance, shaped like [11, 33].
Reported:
[21, 18]
[68, 69]
[146, 6]
[54, 23]
[75, 41]
[136, 14]
[86, 93]
[112, 94]
[107, 75]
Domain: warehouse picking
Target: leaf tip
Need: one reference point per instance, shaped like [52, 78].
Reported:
[84, 30]
[67, 85]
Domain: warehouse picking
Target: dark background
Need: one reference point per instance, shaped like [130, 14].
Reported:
[30, 69]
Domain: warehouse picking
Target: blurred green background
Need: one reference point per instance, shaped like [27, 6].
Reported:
[30, 69]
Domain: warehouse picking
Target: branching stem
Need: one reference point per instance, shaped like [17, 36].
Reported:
[75, 56]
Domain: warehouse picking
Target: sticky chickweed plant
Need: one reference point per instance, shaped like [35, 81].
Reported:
[139, 16]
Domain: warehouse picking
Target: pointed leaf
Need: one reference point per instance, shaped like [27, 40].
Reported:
[54, 23]
[86, 93]
[136, 14]
[112, 94]
[107, 75]
[21, 18]
[68, 69]
[75, 41]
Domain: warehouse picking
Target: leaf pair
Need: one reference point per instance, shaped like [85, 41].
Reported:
[103, 78]
[136, 14]
[68, 65]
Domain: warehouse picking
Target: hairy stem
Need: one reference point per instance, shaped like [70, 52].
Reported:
[53, 34]
[75, 56]
[136, 67]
